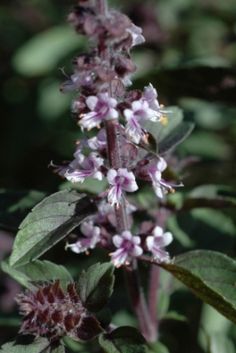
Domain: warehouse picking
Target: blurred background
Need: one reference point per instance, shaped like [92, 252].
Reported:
[190, 57]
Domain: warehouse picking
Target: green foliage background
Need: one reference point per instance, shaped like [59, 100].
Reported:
[190, 57]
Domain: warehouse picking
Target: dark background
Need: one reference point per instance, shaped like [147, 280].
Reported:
[189, 56]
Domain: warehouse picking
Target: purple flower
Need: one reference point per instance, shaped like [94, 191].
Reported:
[136, 34]
[128, 248]
[120, 180]
[89, 241]
[135, 117]
[83, 167]
[98, 142]
[150, 96]
[101, 108]
[157, 242]
[160, 185]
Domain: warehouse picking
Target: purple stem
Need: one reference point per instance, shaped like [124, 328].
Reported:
[133, 282]
[132, 275]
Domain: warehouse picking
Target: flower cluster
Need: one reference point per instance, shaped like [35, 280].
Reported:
[52, 312]
[100, 80]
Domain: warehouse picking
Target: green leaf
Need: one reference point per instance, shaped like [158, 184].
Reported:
[215, 196]
[90, 185]
[123, 340]
[206, 144]
[95, 285]
[42, 53]
[173, 315]
[180, 235]
[176, 137]
[158, 131]
[48, 223]
[211, 276]
[51, 102]
[158, 348]
[215, 219]
[39, 345]
[37, 271]
[219, 343]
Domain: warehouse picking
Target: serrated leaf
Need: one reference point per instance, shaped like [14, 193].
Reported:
[176, 137]
[37, 271]
[48, 223]
[39, 345]
[211, 276]
[42, 53]
[123, 340]
[95, 285]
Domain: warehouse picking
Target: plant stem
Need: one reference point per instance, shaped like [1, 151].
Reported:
[154, 282]
[133, 282]
[122, 221]
[102, 6]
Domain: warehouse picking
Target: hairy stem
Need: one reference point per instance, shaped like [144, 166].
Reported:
[133, 282]
[102, 6]
[122, 221]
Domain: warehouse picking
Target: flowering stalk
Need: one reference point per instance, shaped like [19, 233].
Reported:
[133, 282]
[115, 153]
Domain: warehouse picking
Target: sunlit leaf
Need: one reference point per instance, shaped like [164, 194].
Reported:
[211, 276]
[39, 345]
[37, 271]
[42, 52]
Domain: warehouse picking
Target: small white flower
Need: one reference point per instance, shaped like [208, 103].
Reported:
[150, 95]
[102, 107]
[157, 242]
[98, 142]
[136, 33]
[89, 241]
[136, 117]
[128, 247]
[83, 167]
[155, 172]
[120, 180]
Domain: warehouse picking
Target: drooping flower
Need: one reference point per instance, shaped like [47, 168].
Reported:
[135, 117]
[101, 107]
[83, 167]
[160, 186]
[120, 180]
[89, 241]
[128, 247]
[157, 242]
